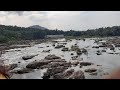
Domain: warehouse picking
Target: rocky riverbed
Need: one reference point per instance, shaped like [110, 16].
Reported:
[89, 58]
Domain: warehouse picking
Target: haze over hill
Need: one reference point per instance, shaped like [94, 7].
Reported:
[38, 27]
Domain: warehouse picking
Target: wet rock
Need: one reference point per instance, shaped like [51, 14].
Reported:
[22, 71]
[40, 47]
[99, 65]
[103, 50]
[19, 62]
[64, 75]
[65, 49]
[72, 54]
[102, 45]
[47, 46]
[75, 63]
[112, 48]
[90, 70]
[117, 45]
[80, 66]
[83, 39]
[74, 48]
[17, 50]
[52, 71]
[53, 45]
[110, 53]
[99, 53]
[12, 66]
[74, 57]
[59, 46]
[84, 50]
[93, 73]
[95, 47]
[46, 51]
[86, 63]
[36, 64]
[50, 57]
[79, 52]
[77, 75]
[28, 57]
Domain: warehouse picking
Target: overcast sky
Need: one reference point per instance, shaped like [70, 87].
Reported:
[65, 20]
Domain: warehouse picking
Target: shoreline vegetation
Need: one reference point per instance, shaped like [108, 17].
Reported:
[13, 34]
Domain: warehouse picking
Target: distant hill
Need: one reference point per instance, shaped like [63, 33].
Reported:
[38, 27]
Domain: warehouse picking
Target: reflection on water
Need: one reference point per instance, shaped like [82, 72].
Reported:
[108, 61]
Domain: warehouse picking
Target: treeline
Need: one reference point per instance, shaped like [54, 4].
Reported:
[8, 33]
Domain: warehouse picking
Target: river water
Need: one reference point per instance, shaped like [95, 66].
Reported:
[109, 62]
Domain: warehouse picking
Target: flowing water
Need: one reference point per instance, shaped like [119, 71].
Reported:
[109, 62]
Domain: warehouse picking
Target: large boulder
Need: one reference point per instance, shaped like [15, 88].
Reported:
[50, 57]
[77, 75]
[64, 75]
[36, 64]
[28, 57]
[52, 71]
[86, 63]
[56, 64]
[90, 70]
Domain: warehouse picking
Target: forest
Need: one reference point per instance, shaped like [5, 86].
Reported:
[9, 33]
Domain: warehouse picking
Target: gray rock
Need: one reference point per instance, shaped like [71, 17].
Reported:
[50, 57]
[36, 65]
[90, 70]
[86, 63]
[28, 57]
[77, 75]
[65, 49]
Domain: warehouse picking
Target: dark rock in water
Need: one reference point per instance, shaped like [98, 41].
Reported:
[86, 63]
[46, 51]
[74, 48]
[57, 64]
[28, 57]
[93, 73]
[117, 45]
[79, 52]
[47, 46]
[65, 49]
[95, 47]
[53, 71]
[19, 62]
[91, 70]
[84, 50]
[111, 53]
[64, 75]
[77, 75]
[72, 54]
[75, 63]
[40, 47]
[102, 45]
[99, 65]
[83, 39]
[53, 45]
[74, 57]
[12, 66]
[80, 66]
[59, 46]
[112, 48]
[22, 71]
[103, 50]
[50, 57]
[99, 53]
[36, 65]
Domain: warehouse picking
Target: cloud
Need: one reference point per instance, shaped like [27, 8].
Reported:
[65, 20]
